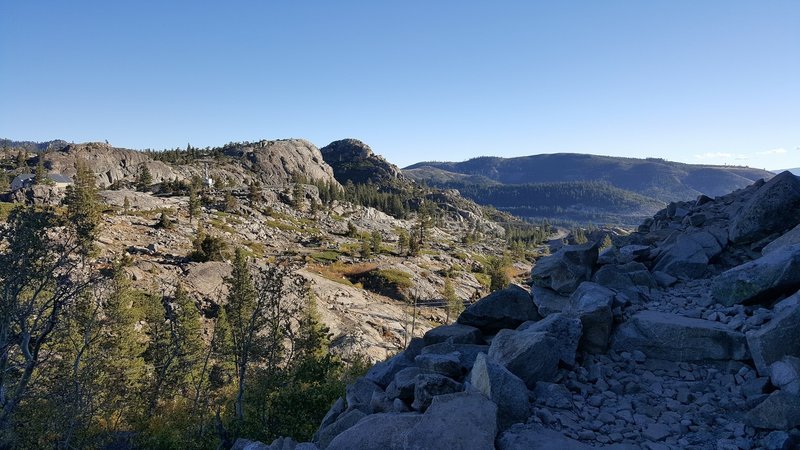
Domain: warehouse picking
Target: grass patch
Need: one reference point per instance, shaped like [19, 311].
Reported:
[326, 256]
[5, 209]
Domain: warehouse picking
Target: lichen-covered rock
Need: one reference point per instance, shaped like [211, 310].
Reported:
[677, 338]
[779, 337]
[527, 354]
[775, 207]
[455, 333]
[780, 411]
[506, 308]
[592, 304]
[465, 420]
[502, 387]
[765, 278]
[566, 269]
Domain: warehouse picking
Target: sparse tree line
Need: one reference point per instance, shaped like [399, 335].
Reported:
[88, 360]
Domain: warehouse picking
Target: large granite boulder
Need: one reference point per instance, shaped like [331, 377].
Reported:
[506, 308]
[774, 208]
[566, 269]
[527, 354]
[677, 338]
[548, 301]
[779, 411]
[385, 431]
[592, 304]
[455, 333]
[564, 329]
[689, 255]
[384, 372]
[791, 237]
[428, 386]
[343, 422]
[762, 279]
[777, 338]
[465, 420]
[466, 352]
[502, 387]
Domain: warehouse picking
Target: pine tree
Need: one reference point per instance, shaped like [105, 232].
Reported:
[453, 303]
[375, 241]
[245, 316]
[143, 179]
[22, 160]
[83, 206]
[164, 221]
[253, 193]
[40, 175]
[194, 203]
[496, 268]
[126, 205]
[298, 196]
[402, 242]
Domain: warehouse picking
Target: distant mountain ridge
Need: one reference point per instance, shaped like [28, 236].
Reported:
[582, 187]
[652, 177]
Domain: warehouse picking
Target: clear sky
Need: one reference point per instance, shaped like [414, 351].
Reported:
[695, 81]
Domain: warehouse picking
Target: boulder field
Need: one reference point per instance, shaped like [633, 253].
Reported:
[682, 335]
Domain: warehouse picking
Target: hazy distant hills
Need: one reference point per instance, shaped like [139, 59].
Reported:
[582, 187]
[795, 171]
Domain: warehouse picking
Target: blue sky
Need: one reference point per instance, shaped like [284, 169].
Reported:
[695, 81]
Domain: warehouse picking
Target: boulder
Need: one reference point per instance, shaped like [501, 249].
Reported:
[466, 352]
[634, 253]
[384, 372]
[446, 364]
[773, 208]
[339, 406]
[402, 386]
[677, 338]
[592, 304]
[685, 258]
[465, 420]
[502, 387]
[245, 444]
[506, 308]
[359, 394]
[548, 301]
[344, 422]
[380, 431]
[428, 386]
[762, 279]
[779, 411]
[785, 374]
[791, 237]
[455, 333]
[566, 331]
[527, 354]
[777, 338]
[566, 269]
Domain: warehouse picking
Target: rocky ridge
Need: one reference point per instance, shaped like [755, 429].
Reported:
[683, 335]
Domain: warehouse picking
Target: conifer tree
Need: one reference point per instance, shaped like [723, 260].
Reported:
[143, 179]
[453, 303]
[83, 206]
[194, 203]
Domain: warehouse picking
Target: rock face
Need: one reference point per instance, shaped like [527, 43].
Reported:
[277, 161]
[775, 207]
[676, 338]
[109, 164]
[353, 160]
[775, 273]
[564, 271]
[458, 421]
[507, 308]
